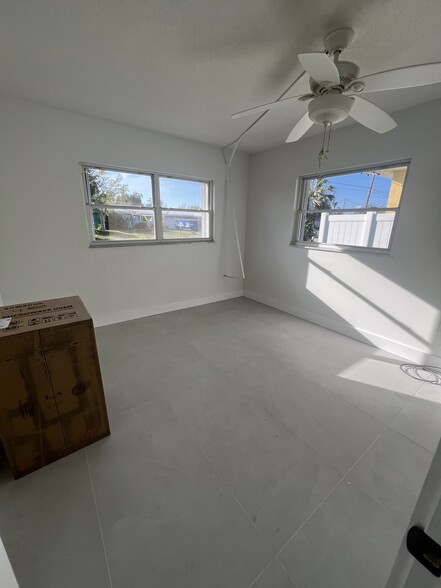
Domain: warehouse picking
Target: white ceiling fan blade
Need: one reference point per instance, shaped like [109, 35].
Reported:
[371, 116]
[268, 106]
[404, 77]
[304, 124]
[319, 67]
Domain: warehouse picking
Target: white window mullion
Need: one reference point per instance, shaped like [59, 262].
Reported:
[157, 203]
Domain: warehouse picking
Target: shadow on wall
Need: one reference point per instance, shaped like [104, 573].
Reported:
[343, 298]
[363, 296]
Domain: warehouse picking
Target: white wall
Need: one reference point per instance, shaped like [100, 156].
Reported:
[390, 300]
[7, 577]
[44, 241]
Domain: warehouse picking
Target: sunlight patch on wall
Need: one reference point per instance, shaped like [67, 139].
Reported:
[366, 300]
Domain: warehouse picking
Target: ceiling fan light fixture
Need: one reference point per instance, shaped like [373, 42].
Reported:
[331, 80]
[330, 108]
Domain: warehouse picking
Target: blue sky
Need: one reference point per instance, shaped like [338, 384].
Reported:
[351, 190]
[174, 192]
[136, 183]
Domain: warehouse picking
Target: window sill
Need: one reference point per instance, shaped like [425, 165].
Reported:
[341, 248]
[98, 245]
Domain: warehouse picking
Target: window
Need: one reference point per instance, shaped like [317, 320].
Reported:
[185, 208]
[126, 207]
[350, 210]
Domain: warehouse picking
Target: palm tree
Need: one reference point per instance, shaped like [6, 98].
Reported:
[320, 197]
[321, 194]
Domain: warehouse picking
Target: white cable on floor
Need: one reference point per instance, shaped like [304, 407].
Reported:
[424, 373]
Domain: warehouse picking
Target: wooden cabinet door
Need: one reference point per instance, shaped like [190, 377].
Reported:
[72, 362]
[29, 423]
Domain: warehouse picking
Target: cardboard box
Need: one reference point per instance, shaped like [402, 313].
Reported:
[51, 394]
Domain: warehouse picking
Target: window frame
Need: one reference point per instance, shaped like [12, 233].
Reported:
[156, 207]
[208, 211]
[300, 209]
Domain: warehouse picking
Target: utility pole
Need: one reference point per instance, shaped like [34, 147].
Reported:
[370, 189]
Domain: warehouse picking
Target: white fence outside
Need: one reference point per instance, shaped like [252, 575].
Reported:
[372, 229]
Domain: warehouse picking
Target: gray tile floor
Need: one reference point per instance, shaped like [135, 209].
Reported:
[248, 448]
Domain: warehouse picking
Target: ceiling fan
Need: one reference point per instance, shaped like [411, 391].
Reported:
[336, 88]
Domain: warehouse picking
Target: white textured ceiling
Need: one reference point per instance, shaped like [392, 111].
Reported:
[183, 66]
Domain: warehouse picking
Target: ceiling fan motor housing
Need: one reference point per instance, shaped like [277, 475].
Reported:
[330, 108]
[348, 73]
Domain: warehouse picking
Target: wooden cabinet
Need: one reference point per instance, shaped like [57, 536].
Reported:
[51, 394]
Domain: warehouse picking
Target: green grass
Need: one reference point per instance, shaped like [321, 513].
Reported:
[175, 234]
[132, 235]
[123, 236]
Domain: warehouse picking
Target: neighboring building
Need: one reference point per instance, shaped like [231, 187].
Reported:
[397, 175]
[185, 220]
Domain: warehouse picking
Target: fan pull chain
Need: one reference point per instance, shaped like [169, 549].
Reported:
[323, 153]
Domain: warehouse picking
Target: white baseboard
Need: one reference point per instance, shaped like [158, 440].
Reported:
[403, 350]
[100, 320]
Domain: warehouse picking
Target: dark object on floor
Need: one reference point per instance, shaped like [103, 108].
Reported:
[425, 550]
[51, 398]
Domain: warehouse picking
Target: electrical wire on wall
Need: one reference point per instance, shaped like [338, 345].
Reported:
[234, 145]
[324, 151]
[227, 198]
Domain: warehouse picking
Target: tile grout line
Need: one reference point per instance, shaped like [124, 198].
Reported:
[316, 451]
[387, 428]
[260, 574]
[344, 475]
[99, 521]
[409, 439]
[334, 392]
[138, 406]
[229, 489]
[246, 514]
[308, 376]
[286, 571]
[329, 494]
[275, 559]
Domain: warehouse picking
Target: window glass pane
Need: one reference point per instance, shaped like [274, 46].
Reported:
[311, 226]
[365, 229]
[381, 229]
[381, 188]
[185, 224]
[122, 224]
[184, 194]
[119, 188]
